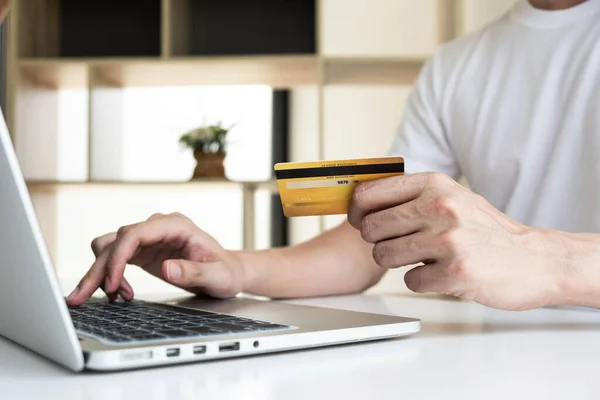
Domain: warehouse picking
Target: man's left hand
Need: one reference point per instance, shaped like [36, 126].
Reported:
[467, 247]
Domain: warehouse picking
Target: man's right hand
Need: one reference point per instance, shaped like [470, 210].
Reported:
[170, 247]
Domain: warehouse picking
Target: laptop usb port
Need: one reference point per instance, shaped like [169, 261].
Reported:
[223, 347]
[173, 352]
[199, 349]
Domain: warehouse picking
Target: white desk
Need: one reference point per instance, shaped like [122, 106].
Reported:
[465, 351]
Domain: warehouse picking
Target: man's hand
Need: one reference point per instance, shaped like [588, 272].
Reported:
[469, 249]
[170, 247]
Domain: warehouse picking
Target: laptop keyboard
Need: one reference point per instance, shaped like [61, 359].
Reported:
[135, 321]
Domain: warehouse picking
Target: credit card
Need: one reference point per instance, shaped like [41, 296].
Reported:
[325, 187]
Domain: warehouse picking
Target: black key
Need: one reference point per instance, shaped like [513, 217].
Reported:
[173, 332]
[162, 321]
[248, 322]
[219, 316]
[125, 320]
[102, 322]
[138, 315]
[120, 328]
[239, 320]
[148, 326]
[178, 322]
[188, 325]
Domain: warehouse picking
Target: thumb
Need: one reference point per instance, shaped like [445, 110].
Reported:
[211, 278]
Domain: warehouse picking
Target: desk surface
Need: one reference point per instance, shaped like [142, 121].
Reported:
[465, 351]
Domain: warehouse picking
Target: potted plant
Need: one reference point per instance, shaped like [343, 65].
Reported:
[209, 146]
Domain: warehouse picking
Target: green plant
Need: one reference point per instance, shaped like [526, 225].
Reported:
[208, 139]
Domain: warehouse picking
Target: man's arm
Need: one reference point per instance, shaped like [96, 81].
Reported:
[581, 278]
[470, 249]
[336, 262]
[174, 249]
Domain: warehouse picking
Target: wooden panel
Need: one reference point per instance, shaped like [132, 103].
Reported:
[53, 186]
[278, 72]
[447, 20]
[55, 75]
[38, 28]
[179, 27]
[371, 72]
[50, 128]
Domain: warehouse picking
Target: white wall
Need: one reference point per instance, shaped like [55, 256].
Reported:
[474, 14]
[378, 28]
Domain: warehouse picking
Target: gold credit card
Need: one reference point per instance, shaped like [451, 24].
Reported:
[325, 187]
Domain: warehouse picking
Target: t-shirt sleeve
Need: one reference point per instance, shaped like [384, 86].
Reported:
[421, 137]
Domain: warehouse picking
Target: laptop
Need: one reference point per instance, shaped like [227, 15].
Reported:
[111, 336]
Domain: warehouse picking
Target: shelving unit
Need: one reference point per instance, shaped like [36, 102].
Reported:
[88, 45]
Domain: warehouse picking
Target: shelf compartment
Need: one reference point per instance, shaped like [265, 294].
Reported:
[75, 28]
[242, 27]
[53, 144]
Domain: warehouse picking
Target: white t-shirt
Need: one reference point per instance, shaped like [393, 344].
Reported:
[515, 109]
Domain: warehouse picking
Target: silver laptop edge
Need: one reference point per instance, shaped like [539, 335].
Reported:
[33, 312]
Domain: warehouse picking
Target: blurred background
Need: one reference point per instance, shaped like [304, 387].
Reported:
[100, 94]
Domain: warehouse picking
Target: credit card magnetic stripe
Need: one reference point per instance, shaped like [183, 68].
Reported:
[340, 171]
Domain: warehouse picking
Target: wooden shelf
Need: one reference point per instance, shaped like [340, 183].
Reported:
[276, 71]
[55, 75]
[371, 71]
[52, 186]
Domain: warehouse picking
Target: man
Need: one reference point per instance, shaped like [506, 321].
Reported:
[513, 107]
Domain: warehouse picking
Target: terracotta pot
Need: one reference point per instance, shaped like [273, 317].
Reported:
[209, 165]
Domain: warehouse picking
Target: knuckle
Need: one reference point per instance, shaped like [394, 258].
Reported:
[96, 245]
[360, 194]
[446, 205]
[366, 229]
[178, 215]
[122, 231]
[436, 179]
[155, 216]
[449, 239]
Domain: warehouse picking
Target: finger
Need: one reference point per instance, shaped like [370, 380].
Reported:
[392, 222]
[212, 278]
[155, 268]
[112, 297]
[147, 254]
[155, 216]
[429, 278]
[131, 238]
[93, 280]
[100, 243]
[406, 250]
[380, 194]
[125, 290]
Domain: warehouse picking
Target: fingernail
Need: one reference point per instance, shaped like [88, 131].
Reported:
[174, 271]
[73, 293]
